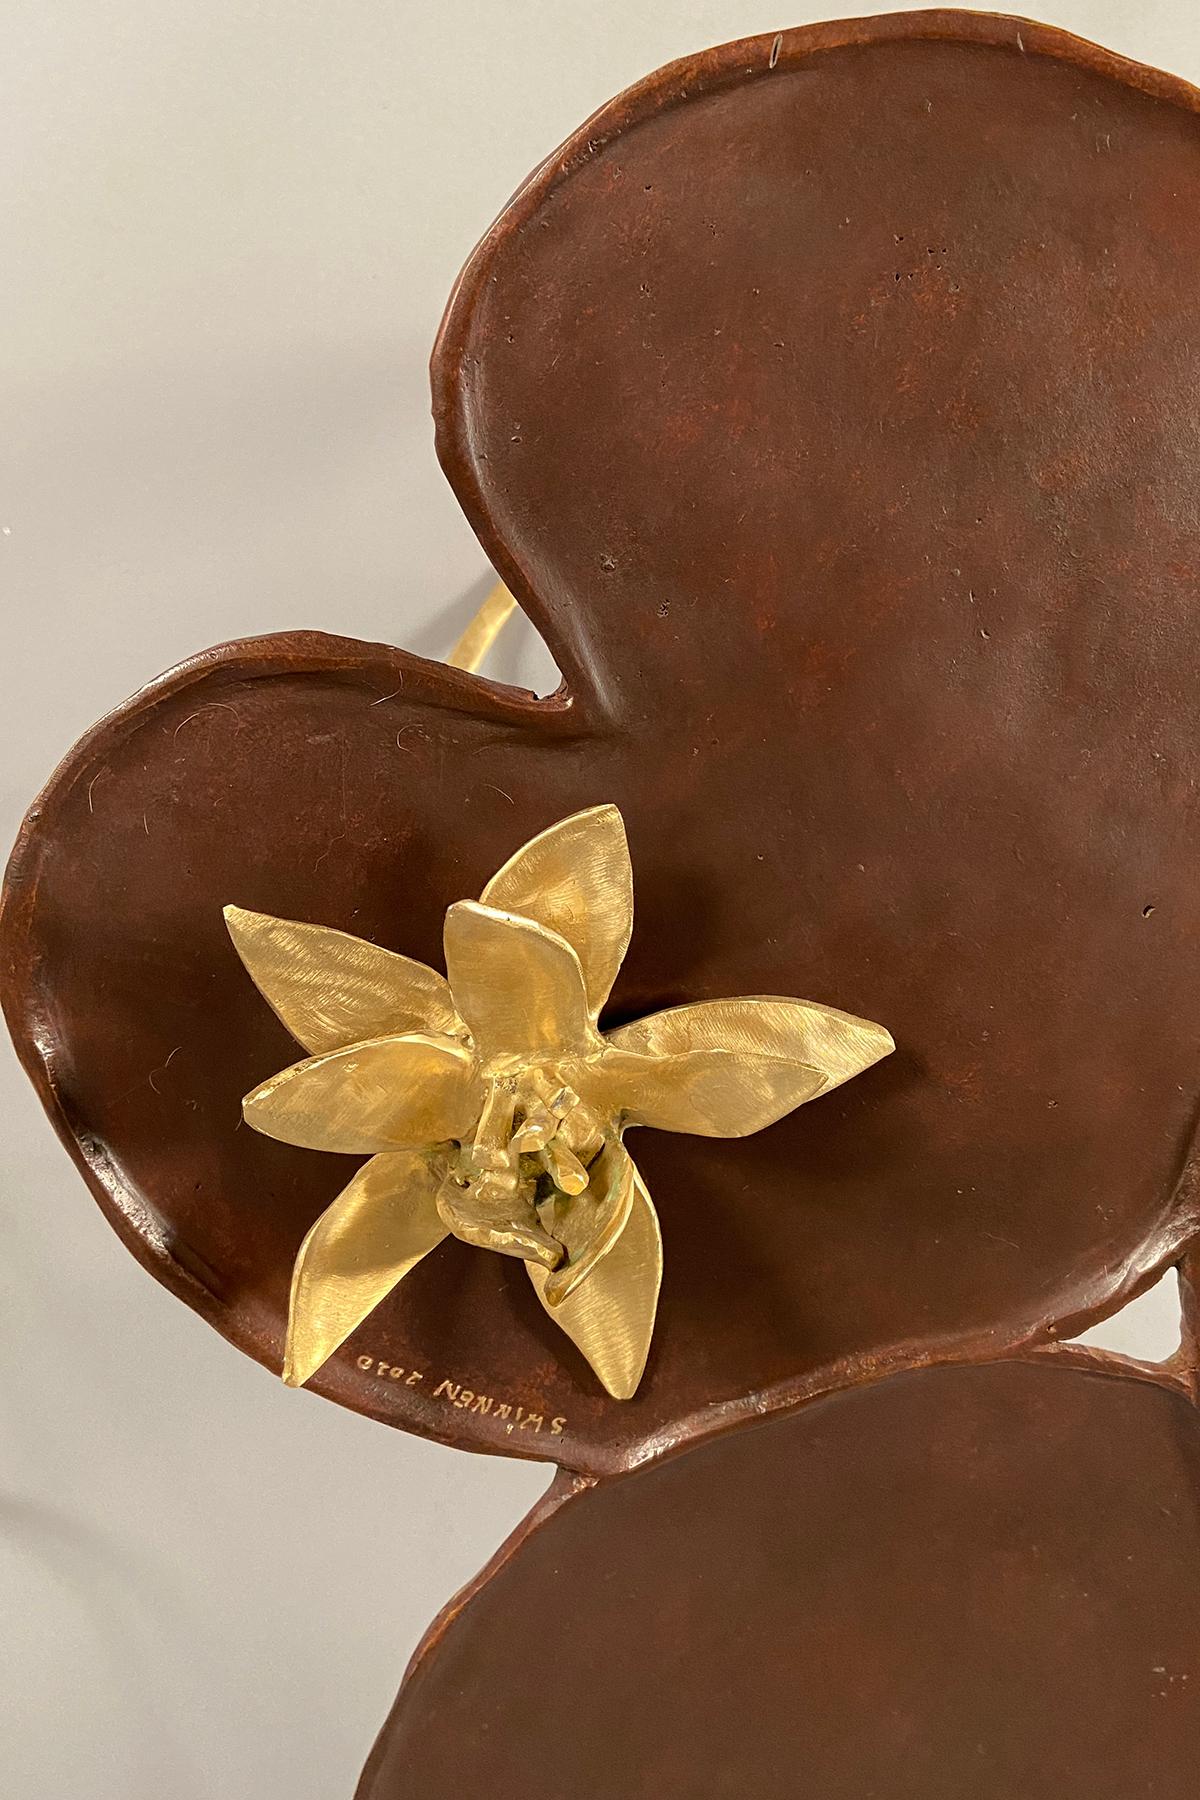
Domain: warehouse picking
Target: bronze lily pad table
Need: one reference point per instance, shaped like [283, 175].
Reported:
[829, 403]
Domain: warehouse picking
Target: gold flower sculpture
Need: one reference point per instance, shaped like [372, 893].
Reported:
[491, 1105]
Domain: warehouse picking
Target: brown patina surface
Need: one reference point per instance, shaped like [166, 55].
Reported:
[974, 1583]
[829, 402]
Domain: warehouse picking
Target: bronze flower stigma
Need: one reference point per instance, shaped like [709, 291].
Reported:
[492, 1106]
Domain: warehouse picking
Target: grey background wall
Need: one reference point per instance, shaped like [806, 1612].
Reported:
[229, 230]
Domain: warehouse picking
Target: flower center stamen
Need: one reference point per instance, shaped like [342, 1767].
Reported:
[564, 1167]
[533, 1142]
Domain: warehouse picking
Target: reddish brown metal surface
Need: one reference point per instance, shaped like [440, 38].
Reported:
[978, 1582]
[830, 404]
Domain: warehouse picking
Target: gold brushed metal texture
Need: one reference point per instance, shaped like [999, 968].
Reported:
[610, 1320]
[494, 1106]
[331, 989]
[390, 1093]
[365, 1241]
[576, 879]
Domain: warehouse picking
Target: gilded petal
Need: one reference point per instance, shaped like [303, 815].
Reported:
[518, 986]
[331, 989]
[799, 1031]
[376, 1230]
[610, 1316]
[710, 1093]
[576, 880]
[388, 1094]
[588, 1225]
